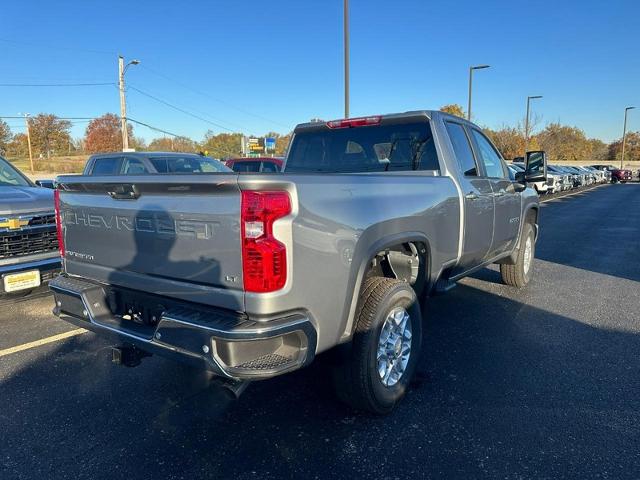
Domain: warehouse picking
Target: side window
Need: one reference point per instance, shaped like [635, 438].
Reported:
[490, 158]
[269, 167]
[132, 166]
[462, 149]
[160, 164]
[105, 166]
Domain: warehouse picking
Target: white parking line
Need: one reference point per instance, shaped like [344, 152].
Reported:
[572, 192]
[43, 341]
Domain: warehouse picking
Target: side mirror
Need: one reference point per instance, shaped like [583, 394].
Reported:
[45, 183]
[535, 166]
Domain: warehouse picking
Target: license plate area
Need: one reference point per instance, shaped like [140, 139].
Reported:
[15, 282]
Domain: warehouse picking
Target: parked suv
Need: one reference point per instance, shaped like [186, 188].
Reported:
[617, 174]
[139, 163]
[29, 254]
[255, 164]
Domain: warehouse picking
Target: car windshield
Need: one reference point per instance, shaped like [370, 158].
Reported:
[187, 164]
[10, 176]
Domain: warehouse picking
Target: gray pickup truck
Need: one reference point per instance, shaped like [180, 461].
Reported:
[28, 239]
[253, 275]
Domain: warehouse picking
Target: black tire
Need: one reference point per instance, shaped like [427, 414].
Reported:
[356, 376]
[518, 274]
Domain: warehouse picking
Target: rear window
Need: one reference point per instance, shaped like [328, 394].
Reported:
[246, 166]
[190, 164]
[270, 167]
[377, 148]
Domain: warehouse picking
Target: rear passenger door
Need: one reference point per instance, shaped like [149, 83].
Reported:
[478, 200]
[507, 202]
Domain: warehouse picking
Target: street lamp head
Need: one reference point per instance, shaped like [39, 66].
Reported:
[535, 96]
[134, 62]
[629, 108]
[480, 67]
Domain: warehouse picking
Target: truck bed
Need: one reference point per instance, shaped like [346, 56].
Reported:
[179, 235]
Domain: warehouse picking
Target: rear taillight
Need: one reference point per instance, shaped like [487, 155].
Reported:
[354, 122]
[264, 259]
[56, 201]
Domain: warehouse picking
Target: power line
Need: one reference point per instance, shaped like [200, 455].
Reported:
[55, 84]
[186, 112]
[211, 119]
[233, 154]
[129, 119]
[53, 48]
[57, 118]
[204, 94]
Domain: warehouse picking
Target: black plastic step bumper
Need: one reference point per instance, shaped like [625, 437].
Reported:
[226, 343]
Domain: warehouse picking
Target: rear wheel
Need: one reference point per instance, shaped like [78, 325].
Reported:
[375, 373]
[519, 274]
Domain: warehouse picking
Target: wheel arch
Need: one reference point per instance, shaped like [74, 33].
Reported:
[366, 255]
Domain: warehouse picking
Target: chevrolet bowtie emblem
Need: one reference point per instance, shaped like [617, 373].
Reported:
[14, 223]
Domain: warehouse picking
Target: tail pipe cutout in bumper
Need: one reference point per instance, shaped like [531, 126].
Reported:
[226, 343]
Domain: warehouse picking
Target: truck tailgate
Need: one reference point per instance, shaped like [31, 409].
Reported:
[170, 235]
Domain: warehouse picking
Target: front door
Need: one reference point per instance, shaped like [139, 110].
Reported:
[506, 200]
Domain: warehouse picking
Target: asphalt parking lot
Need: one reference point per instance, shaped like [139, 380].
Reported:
[538, 383]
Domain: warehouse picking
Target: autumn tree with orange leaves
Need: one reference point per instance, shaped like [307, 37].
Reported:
[104, 134]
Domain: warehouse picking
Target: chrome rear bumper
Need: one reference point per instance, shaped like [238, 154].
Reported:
[226, 343]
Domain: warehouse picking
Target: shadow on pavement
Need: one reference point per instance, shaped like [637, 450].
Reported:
[508, 390]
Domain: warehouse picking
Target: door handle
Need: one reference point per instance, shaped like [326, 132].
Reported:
[471, 196]
[500, 193]
[123, 192]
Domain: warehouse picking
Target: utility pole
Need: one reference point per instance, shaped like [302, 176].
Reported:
[526, 122]
[346, 58]
[471, 69]
[122, 68]
[26, 122]
[123, 105]
[624, 135]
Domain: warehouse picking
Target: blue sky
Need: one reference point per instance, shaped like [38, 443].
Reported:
[259, 66]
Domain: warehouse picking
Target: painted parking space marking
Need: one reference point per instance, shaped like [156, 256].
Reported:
[42, 341]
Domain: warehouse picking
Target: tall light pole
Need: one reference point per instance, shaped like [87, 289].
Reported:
[346, 57]
[624, 135]
[471, 69]
[26, 122]
[122, 68]
[526, 121]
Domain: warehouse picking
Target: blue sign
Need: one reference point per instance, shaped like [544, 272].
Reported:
[270, 143]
